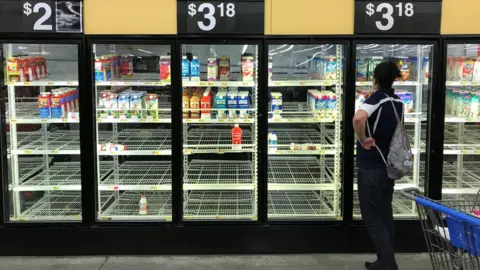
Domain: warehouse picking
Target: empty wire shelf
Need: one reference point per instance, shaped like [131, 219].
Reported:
[140, 175]
[141, 142]
[219, 175]
[300, 204]
[297, 112]
[200, 140]
[125, 206]
[218, 205]
[303, 141]
[57, 205]
[402, 208]
[300, 173]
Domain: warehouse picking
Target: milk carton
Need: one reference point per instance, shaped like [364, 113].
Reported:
[474, 106]
[276, 104]
[136, 105]
[232, 103]
[124, 105]
[243, 103]
[44, 104]
[221, 104]
[151, 105]
[111, 104]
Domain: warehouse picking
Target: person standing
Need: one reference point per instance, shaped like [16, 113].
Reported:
[374, 124]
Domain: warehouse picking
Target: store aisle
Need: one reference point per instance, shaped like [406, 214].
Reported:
[267, 262]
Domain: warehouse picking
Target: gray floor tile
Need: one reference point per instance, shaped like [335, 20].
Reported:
[51, 263]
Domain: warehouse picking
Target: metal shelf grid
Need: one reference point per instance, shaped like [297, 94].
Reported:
[402, 208]
[125, 206]
[59, 142]
[27, 167]
[139, 175]
[300, 173]
[142, 142]
[285, 137]
[27, 112]
[219, 205]
[61, 176]
[297, 112]
[282, 80]
[163, 111]
[200, 140]
[138, 79]
[298, 204]
[53, 79]
[461, 180]
[235, 80]
[58, 205]
[219, 175]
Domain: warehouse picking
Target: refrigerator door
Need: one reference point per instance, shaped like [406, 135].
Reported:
[304, 130]
[132, 88]
[220, 84]
[461, 173]
[42, 126]
[415, 62]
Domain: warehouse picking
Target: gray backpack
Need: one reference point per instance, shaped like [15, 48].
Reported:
[400, 158]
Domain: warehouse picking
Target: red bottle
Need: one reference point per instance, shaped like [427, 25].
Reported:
[236, 137]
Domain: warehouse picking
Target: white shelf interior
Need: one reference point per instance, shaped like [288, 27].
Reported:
[223, 173]
[301, 204]
[219, 205]
[55, 205]
[140, 174]
[300, 171]
[143, 139]
[215, 139]
[125, 205]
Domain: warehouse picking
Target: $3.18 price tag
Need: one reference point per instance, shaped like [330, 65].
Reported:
[398, 17]
[220, 17]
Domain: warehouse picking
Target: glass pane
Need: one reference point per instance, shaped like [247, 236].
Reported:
[304, 131]
[132, 85]
[415, 63]
[220, 131]
[43, 132]
[461, 170]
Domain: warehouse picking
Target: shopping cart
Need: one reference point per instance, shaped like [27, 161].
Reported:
[451, 229]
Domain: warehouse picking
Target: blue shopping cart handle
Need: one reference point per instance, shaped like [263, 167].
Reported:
[448, 211]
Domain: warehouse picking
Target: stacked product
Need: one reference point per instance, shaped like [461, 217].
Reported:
[26, 69]
[125, 103]
[112, 67]
[407, 65]
[58, 103]
[323, 68]
[218, 68]
[465, 69]
[322, 103]
[463, 103]
[406, 97]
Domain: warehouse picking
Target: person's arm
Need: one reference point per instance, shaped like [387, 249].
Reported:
[359, 120]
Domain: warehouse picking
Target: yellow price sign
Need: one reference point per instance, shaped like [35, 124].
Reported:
[156, 153]
[218, 217]
[26, 83]
[221, 120]
[50, 83]
[155, 188]
[464, 151]
[56, 188]
[13, 120]
[168, 218]
[221, 151]
[188, 151]
[69, 83]
[201, 120]
[54, 151]
[463, 83]
[28, 151]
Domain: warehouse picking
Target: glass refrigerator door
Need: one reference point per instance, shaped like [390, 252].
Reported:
[42, 132]
[304, 130]
[461, 170]
[220, 131]
[415, 63]
[132, 84]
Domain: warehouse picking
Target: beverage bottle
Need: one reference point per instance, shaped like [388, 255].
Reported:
[143, 205]
[185, 68]
[205, 105]
[273, 141]
[236, 137]
[270, 68]
[195, 69]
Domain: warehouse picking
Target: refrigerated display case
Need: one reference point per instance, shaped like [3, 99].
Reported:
[415, 62]
[133, 126]
[42, 125]
[305, 84]
[461, 175]
[220, 131]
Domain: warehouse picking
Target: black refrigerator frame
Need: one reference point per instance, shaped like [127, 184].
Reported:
[92, 237]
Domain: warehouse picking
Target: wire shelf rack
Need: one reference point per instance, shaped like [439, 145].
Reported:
[57, 205]
[27, 167]
[200, 140]
[140, 175]
[60, 176]
[27, 112]
[160, 115]
[53, 79]
[303, 204]
[219, 205]
[142, 142]
[317, 142]
[125, 206]
[138, 79]
[297, 112]
[401, 208]
[219, 175]
[300, 173]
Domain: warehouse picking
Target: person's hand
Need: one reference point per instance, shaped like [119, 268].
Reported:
[368, 143]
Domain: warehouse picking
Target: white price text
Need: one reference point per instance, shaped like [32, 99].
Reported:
[40, 23]
[388, 12]
[209, 11]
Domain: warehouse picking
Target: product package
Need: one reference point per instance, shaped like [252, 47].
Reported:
[467, 69]
[372, 64]
[362, 69]
[247, 67]
[331, 69]
[151, 105]
[165, 67]
[224, 68]
[476, 70]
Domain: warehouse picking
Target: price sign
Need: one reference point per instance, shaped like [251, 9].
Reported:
[41, 16]
[398, 17]
[220, 17]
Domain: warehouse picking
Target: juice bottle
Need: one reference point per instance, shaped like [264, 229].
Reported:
[236, 137]
[205, 105]
[195, 104]
[212, 69]
[143, 205]
[195, 69]
[270, 68]
[165, 68]
[247, 67]
[185, 68]
[126, 67]
[186, 104]
[224, 68]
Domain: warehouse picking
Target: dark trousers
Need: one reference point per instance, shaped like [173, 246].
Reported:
[375, 192]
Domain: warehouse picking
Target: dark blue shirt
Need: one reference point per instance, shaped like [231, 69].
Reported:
[382, 122]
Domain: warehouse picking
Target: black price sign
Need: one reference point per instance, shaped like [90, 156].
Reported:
[41, 16]
[398, 17]
[220, 17]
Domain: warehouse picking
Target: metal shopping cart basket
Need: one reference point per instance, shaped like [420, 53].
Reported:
[451, 229]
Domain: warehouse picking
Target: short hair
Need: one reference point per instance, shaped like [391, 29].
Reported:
[386, 73]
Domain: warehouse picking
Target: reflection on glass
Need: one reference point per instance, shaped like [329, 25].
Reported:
[461, 176]
[304, 139]
[415, 64]
[220, 131]
[42, 137]
[132, 84]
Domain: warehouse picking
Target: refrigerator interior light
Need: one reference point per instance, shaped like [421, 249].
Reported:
[279, 52]
[145, 51]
